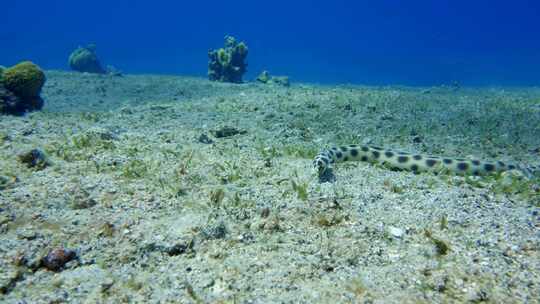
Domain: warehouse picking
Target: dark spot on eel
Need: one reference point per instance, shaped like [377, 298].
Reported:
[489, 167]
[463, 166]
[403, 159]
[430, 162]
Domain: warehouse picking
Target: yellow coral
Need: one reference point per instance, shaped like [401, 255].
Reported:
[24, 79]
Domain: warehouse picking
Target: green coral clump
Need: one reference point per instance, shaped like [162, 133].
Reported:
[228, 64]
[24, 79]
[20, 87]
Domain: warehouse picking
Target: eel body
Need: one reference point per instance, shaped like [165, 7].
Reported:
[413, 162]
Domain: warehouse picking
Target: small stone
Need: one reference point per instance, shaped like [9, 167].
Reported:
[227, 132]
[106, 284]
[57, 281]
[19, 259]
[57, 258]
[179, 248]
[34, 158]
[396, 232]
[204, 139]
[265, 212]
[214, 231]
[106, 230]
[26, 234]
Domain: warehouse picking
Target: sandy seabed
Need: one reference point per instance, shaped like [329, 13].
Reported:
[180, 190]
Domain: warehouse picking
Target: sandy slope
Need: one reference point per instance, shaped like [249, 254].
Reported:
[160, 209]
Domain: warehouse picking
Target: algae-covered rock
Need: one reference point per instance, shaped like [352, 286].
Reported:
[34, 158]
[24, 79]
[85, 59]
[264, 77]
[228, 64]
[2, 69]
[20, 87]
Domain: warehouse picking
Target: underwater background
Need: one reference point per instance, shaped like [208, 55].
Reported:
[368, 42]
[374, 152]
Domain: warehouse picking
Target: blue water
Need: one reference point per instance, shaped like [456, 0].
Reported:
[421, 42]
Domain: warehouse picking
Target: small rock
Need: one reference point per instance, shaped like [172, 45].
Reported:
[179, 248]
[26, 234]
[204, 139]
[214, 231]
[106, 284]
[265, 212]
[57, 258]
[227, 132]
[34, 158]
[106, 230]
[396, 232]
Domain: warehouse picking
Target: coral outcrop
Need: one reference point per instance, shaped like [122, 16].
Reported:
[24, 79]
[85, 59]
[20, 87]
[228, 64]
